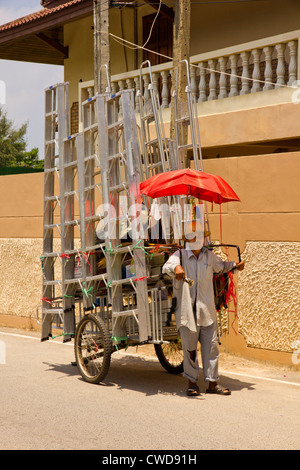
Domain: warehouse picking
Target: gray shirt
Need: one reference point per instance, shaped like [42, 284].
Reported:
[201, 270]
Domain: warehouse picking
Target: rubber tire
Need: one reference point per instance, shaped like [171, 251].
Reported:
[107, 349]
[167, 365]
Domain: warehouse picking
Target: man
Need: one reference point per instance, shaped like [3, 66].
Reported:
[196, 315]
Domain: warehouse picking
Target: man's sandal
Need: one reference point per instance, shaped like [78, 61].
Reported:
[193, 391]
[218, 390]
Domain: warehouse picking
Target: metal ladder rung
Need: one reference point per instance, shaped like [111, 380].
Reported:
[151, 142]
[70, 193]
[149, 116]
[73, 281]
[72, 222]
[51, 198]
[51, 113]
[115, 125]
[70, 164]
[51, 170]
[119, 187]
[89, 100]
[95, 247]
[126, 313]
[93, 186]
[92, 127]
[186, 146]
[118, 282]
[51, 141]
[183, 120]
[50, 226]
[54, 254]
[91, 158]
[70, 137]
[92, 217]
[154, 165]
[52, 283]
[71, 252]
[97, 277]
[122, 249]
[53, 311]
[115, 156]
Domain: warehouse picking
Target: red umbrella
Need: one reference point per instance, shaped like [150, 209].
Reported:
[189, 182]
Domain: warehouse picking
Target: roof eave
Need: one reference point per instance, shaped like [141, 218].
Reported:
[41, 24]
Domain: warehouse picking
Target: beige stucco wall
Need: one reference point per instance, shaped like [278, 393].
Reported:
[269, 295]
[21, 276]
[21, 206]
[266, 226]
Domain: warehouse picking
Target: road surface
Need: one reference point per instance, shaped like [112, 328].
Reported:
[45, 404]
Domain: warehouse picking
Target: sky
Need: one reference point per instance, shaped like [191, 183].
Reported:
[25, 82]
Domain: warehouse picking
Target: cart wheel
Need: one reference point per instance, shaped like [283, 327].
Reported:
[170, 356]
[92, 349]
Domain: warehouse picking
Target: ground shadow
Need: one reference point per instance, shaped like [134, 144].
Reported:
[147, 376]
[69, 370]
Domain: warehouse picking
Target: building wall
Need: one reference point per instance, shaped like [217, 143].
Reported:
[78, 36]
[265, 224]
[217, 26]
[248, 122]
[213, 27]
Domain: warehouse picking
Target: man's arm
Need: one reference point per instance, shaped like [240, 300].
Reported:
[220, 266]
[173, 268]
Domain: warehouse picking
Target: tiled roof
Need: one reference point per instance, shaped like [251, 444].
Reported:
[38, 15]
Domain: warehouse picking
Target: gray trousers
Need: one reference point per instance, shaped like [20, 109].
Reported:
[207, 336]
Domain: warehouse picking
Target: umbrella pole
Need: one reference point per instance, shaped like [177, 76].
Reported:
[206, 224]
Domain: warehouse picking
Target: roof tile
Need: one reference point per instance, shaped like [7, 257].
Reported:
[37, 15]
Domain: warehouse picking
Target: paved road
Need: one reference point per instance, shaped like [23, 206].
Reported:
[46, 405]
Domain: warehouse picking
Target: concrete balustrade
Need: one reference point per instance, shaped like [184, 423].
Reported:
[247, 68]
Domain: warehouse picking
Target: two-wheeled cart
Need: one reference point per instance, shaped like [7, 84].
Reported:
[102, 265]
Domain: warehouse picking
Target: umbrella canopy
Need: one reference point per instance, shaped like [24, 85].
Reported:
[189, 182]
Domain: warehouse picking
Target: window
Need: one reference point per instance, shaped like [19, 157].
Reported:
[161, 39]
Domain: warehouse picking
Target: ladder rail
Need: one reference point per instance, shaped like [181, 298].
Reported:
[190, 118]
[56, 128]
[150, 111]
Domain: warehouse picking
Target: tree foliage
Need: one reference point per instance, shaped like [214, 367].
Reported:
[13, 151]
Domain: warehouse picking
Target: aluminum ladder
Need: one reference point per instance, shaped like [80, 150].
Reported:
[153, 140]
[187, 132]
[56, 129]
[120, 172]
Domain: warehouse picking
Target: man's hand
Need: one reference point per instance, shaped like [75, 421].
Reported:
[179, 273]
[240, 266]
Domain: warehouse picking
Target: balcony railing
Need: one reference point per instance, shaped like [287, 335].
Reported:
[247, 68]
[256, 66]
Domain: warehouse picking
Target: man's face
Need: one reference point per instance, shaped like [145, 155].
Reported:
[194, 235]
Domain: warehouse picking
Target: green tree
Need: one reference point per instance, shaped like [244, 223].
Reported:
[13, 145]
